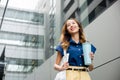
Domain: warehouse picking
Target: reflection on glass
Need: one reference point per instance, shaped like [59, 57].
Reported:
[24, 51]
[22, 65]
[89, 17]
[35, 41]
[18, 68]
[22, 15]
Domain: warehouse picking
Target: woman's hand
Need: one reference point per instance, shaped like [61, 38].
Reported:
[65, 66]
[61, 68]
[91, 67]
[91, 55]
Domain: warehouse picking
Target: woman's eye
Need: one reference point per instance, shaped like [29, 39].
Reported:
[68, 25]
[73, 22]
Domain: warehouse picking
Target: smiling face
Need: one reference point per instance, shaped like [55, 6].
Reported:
[72, 26]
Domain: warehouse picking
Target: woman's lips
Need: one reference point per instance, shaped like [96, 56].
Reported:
[72, 29]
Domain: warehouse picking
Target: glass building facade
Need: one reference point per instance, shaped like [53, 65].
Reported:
[21, 40]
[90, 9]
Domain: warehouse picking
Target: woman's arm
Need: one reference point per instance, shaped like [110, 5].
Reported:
[91, 67]
[57, 62]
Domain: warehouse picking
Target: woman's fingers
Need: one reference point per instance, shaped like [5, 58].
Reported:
[65, 65]
[92, 55]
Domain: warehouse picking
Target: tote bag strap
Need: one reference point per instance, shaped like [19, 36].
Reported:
[66, 56]
[65, 52]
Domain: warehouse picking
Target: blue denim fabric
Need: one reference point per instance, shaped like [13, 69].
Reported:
[75, 52]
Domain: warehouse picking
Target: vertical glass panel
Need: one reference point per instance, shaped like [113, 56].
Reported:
[19, 15]
[1, 11]
[83, 6]
[27, 16]
[92, 16]
[84, 12]
[89, 2]
[54, 3]
[38, 18]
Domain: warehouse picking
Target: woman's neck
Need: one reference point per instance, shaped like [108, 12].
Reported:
[75, 37]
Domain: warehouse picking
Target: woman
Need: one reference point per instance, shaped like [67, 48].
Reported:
[71, 39]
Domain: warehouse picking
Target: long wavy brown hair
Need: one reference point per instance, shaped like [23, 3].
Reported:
[65, 36]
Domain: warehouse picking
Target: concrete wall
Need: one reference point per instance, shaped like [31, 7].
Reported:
[104, 34]
[45, 71]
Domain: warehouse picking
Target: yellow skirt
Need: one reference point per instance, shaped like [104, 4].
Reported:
[77, 73]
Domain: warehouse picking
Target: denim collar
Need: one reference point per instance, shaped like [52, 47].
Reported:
[73, 42]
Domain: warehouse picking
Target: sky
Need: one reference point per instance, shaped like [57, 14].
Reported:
[24, 4]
